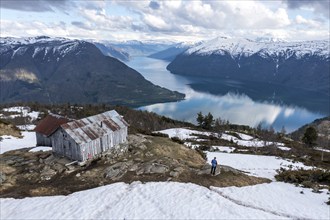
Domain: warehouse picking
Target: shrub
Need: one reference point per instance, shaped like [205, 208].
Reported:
[308, 178]
[202, 153]
[234, 134]
[177, 140]
[158, 134]
[204, 148]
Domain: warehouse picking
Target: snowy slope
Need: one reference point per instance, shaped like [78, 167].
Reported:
[42, 46]
[279, 198]
[12, 143]
[237, 47]
[170, 200]
[256, 165]
[246, 140]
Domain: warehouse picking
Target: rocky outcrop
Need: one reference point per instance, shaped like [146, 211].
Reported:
[143, 158]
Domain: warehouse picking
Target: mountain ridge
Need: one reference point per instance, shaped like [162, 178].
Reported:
[294, 64]
[57, 70]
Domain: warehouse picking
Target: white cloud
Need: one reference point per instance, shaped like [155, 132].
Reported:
[308, 22]
[156, 23]
[172, 20]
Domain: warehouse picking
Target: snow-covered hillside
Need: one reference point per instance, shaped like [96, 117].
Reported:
[238, 47]
[173, 200]
[42, 46]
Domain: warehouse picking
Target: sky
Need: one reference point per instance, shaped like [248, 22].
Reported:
[166, 20]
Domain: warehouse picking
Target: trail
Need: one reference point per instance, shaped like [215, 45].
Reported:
[238, 202]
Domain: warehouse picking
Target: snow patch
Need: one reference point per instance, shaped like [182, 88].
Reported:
[40, 148]
[9, 143]
[255, 165]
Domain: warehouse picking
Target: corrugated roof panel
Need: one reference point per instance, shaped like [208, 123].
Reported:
[93, 127]
[49, 124]
[111, 124]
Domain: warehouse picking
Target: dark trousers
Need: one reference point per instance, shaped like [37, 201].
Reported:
[213, 170]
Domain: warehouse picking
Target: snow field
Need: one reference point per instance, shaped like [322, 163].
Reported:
[171, 200]
[255, 165]
[280, 198]
[23, 111]
[183, 133]
[247, 140]
[133, 201]
[40, 148]
[12, 143]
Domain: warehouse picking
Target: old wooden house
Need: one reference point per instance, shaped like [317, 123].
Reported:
[87, 138]
[46, 127]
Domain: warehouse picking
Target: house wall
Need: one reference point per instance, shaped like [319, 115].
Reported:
[43, 140]
[98, 146]
[64, 145]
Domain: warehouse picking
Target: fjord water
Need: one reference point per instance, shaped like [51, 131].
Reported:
[247, 103]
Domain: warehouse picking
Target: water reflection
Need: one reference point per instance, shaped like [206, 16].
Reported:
[236, 107]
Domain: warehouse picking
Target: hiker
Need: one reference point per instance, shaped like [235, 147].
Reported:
[214, 165]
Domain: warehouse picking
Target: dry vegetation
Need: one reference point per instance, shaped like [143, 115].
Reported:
[39, 174]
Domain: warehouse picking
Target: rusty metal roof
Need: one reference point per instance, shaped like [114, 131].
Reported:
[50, 124]
[94, 127]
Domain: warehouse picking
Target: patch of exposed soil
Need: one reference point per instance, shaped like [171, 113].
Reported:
[146, 158]
[9, 129]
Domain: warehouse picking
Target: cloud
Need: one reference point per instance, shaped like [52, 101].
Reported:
[319, 6]
[36, 5]
[82, 25]
[154, 5]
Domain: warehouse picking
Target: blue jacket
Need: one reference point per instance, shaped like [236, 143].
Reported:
[214, 163]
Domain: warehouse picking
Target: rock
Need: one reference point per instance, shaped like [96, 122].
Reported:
[3, 177]
[151, 168]
[148, 154]
[134, 167]
[13, 160]
[59, 168]
[142, 146]
[44, 155]
[116, 171]
[174, 174]
[78, 175]
[207, 170]
[137, 159]
[179, 169]
[51, 160]
[47, 173]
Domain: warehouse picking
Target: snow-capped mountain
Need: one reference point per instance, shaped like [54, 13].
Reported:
[295, 64]
[57, 70]
[237, 47]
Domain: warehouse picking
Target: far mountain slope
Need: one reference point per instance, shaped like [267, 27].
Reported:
[295, 64]
[169, 54]
[56, 70]
[112, 51]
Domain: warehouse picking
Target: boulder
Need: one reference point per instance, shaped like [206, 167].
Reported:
[3, 177]
[174, 174]
[47, 173]
[151, 168]
[116, 171]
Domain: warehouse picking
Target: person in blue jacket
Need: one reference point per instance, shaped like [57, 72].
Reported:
[214, 163]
